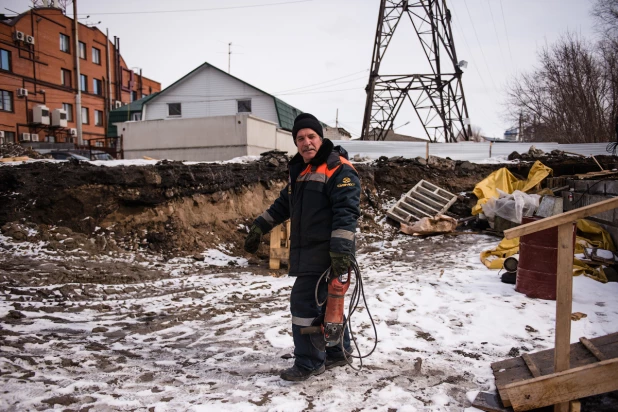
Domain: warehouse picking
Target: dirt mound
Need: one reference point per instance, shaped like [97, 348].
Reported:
[17, 150]
[183, 209]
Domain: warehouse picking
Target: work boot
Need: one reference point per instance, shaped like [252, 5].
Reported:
[333, 362]
[296, 373]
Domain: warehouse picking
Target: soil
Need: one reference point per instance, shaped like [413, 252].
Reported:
[180, 210]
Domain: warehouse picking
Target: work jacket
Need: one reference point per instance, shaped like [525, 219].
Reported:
[322, 199]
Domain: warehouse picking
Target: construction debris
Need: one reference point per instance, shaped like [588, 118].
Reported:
[430, 226]
[423, 200]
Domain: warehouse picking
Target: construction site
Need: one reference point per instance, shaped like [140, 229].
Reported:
[484, 275]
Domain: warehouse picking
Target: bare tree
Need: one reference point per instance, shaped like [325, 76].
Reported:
[569, 98]
[605, 13]
[475, 136]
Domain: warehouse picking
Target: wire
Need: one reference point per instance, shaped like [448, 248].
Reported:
[496, 31]
[508, 42]
[327, 81]
[480, 47]
[357, 293]
[195, 10]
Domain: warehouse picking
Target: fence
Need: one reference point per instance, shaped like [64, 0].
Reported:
[473, 152]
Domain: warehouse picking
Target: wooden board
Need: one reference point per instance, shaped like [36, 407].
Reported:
[562, 218]
[490, 402]
[565, 386]
[14, 159]
[279, 245]
[515, 369]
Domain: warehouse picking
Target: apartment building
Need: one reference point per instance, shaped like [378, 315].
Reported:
[39, 79]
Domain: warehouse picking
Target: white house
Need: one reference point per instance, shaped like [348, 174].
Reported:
[209, 115]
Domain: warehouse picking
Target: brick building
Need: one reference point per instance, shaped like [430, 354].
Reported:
[38, 76]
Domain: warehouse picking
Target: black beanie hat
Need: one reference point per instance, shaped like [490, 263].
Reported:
[306, 121]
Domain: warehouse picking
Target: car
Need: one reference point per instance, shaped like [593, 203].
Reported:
[99, 155]
[66, 156]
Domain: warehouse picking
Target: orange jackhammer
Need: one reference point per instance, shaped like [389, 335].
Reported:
[327, 330]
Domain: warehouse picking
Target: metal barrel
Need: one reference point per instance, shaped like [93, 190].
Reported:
[538, 263]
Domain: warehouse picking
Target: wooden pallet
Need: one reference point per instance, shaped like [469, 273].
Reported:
[279, 245]
[423, 200]
[528, 381]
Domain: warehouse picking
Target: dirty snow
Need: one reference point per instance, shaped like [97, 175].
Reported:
[208, 335]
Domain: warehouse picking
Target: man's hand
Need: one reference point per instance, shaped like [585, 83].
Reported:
[252, 242]
[339, 263]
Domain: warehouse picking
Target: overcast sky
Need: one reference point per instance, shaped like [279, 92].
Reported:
[316, 54]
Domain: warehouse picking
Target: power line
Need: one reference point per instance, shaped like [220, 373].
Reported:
[507, 34]
[480, 47]
[327, 81]
[476, 66]
[196, 10]
[496, 31]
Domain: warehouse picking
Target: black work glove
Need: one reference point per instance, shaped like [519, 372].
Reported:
[339, 263]
[252, 242]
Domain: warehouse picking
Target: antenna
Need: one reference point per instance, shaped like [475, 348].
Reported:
[437, 97]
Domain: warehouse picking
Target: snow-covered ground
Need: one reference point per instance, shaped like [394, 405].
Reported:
[198, 336]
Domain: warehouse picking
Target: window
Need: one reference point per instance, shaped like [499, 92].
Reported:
[6, 101]
[9, 137]
[97, 86]
[98, 118]
[85, 116]
[83, 83]
[82, 50]
[96, 55]
[244, 106]
[5, 60]
[65, 43]
[65, 77]
[174, 109]
[133, 95]
[68, 107]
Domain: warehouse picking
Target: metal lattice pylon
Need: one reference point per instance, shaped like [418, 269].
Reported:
[438, 98]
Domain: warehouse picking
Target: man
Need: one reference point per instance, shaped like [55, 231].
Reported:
[322, 200]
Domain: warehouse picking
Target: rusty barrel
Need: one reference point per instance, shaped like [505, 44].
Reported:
[538, 263]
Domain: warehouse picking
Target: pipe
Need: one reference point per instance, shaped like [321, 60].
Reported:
[78, 96]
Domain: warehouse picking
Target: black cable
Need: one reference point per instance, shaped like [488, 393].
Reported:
[611, 148]
[357, 292]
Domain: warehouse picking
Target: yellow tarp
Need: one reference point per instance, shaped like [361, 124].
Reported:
[504, 180]
[589, 233]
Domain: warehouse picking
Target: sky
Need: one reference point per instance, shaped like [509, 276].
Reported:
[316, 54]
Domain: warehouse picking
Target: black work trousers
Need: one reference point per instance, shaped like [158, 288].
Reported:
[304, 310]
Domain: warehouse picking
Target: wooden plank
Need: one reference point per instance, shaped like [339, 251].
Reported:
[489, 402]
[515, 370]
[279, 253]
[534, 370]
[564, 386]
[562, 218]
[593, 349]
[564, 297]
[564, 303]
[275, 244]
[576, 406]
[14, 159]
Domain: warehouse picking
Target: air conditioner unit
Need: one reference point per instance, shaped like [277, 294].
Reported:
[20, 36]
[59, 118]
[24, 137]
[73, 132]
[117, 104]
[22, 92]
[40, 114]
[1, 134]
[30, 39]
[34, 137]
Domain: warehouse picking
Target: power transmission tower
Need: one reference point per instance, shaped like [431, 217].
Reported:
[437, 97]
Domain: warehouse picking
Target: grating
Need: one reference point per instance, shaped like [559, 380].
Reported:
[423, 200]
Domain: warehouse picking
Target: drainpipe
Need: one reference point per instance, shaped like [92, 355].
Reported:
[78, 96]
[109, 73]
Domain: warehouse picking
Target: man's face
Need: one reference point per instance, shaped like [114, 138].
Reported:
[308, 143]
